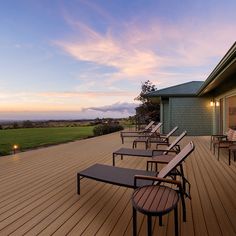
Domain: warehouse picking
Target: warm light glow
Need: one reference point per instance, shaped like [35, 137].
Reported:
[15, 147]
[211, 103]
[217, 104]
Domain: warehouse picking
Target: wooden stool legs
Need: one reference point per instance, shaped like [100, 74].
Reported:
[149, 222]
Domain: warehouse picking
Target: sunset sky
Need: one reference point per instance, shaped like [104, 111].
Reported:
[87, 59]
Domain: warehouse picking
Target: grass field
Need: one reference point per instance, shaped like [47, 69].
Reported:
[37, 137]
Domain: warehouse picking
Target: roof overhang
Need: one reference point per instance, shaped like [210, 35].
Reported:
[225, 69]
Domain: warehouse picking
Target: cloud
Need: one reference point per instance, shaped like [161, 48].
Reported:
[117, 107]
[152, 51]
[70, 101]
[88, 94]
[117, 110]
[106, 51]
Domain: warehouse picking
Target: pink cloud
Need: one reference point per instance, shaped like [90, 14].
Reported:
[145, 53]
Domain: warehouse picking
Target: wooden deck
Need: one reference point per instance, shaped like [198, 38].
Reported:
[38, 192]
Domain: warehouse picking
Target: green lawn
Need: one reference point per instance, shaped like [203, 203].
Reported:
[36, 137]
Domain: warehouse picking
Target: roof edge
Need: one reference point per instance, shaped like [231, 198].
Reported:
[228, 57]
[152, 94]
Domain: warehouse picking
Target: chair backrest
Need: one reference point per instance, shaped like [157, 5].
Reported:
[175, 142]
[230, 134]
[154, 130]
[149, 125]
[178, 159]
[172, 131]
[234, 136]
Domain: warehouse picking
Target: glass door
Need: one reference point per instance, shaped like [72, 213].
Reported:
[231, 112]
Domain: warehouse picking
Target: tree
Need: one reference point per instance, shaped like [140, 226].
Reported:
[27, 124]
[147, 110]
[15, 125]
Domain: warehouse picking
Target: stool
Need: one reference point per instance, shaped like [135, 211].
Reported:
[154, 200]
[232, 148]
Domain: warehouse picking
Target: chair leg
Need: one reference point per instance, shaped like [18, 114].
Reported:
[183, 207]
[183, 179]
[134, 222]
[218, 153]
[176, 221]
[149, 223]
[147, 166]
[229, 156]
[78, 183]
[160, 221]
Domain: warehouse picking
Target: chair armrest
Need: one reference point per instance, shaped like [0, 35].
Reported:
[226, 141]
[173, 151]
[154, 178]
[161, 141]
[167, 151]
[218, 135]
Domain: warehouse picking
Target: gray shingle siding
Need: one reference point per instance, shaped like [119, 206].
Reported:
[166, 120]
[191, 114]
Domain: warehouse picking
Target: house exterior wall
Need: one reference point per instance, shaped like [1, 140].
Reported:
[193, 114]
[165, 116]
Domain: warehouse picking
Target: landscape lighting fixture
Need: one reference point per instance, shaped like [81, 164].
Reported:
[15, 147]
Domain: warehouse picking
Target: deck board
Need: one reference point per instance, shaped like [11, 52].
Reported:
[38, 192]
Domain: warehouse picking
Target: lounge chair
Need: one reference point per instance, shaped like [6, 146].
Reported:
[147, 128]
[158, 200]
[124, 134]
[162, 139]
[144, 138]
[174, 147]
[224, 141]
[134, 134]
[133, 178]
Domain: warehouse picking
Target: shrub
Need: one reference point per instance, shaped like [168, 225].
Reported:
[106, 129]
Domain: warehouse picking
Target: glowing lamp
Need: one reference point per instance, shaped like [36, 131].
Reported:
[15, 147]
[217, 104]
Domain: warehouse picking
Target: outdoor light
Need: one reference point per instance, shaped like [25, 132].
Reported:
[214, 103]
[15, 147]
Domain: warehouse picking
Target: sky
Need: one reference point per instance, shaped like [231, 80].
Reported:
[77, 59]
